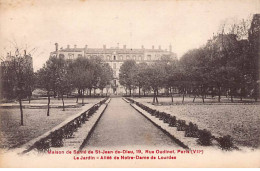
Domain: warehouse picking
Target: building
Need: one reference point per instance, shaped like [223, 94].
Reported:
[115, 57]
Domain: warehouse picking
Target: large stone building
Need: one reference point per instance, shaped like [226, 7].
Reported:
[115, 57]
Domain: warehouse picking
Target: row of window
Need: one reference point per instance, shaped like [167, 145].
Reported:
[109, 57]
[121, 57]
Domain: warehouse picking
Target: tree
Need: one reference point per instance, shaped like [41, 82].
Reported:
[64, 85]
[106, 75]
[254, 44]
[127, 73]
[17, 72]
[82, 75]
[140, 77]
[53, 77]
[155, 74]
[43, 82]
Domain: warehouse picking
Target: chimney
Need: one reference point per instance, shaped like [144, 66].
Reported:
[170, 48]
[75, 46]
[153, 47]
[125, 47]
[24, 52]
[56, 47]
[104, 47]
[142, 46]
[68, 46]
[159, 47]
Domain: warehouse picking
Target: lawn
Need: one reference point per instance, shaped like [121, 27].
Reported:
[36, 122]
[241, 121]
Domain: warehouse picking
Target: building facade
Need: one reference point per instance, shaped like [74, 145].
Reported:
[115, 57]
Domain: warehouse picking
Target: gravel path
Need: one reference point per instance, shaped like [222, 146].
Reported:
[123, 126]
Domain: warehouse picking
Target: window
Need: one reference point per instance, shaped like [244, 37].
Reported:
[149, 57]
[114, 65]
[114, 58]
[134, 58]
[127, 57]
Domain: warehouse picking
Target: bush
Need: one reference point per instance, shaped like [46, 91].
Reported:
[173, 121]
[192, 130]
[181, 125]
[205, 137]
[226, 142]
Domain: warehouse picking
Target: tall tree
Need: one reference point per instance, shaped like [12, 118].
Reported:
[155, 74]
[106, 75]
[254, 47]
[17, 72]
[126, 75]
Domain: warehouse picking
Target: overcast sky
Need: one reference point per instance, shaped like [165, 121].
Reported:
[184, 24]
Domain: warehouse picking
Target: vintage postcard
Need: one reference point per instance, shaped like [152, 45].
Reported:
[121, 83]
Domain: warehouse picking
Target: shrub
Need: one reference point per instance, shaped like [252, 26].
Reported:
[192, 130]
[226, 142]
[167, 118]
[181, 125]
[205, 137]
[172, 121]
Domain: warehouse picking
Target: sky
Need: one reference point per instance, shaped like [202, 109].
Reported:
[37, 24]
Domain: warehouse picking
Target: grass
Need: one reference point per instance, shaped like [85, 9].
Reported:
[36, 122]
[241, 121]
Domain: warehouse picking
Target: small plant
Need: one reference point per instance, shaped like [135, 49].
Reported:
[172, 121]
[181, 125]
[226, 142]
[192, 130]
[167, 118]
[205, 137]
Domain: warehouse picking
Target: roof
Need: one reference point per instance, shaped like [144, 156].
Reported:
[111, 50]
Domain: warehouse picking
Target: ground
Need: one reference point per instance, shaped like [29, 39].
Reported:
[121, 126]
[36, 121]
[240, 120]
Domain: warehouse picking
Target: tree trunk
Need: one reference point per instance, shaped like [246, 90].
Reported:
[62, 103]
[219, 94]
[202, 94]
[82, 98]
[256, 93]
[154, 94]
[194, 98]
[144, 93]
[139, 92]
[130, 91]
[171, 94]
[29, 98]
[78, 96]
[48, 106]
[183, 93]
[231, 95]
[21, 110]
[89, 92]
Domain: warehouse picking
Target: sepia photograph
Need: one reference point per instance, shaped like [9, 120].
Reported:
[129, 84]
